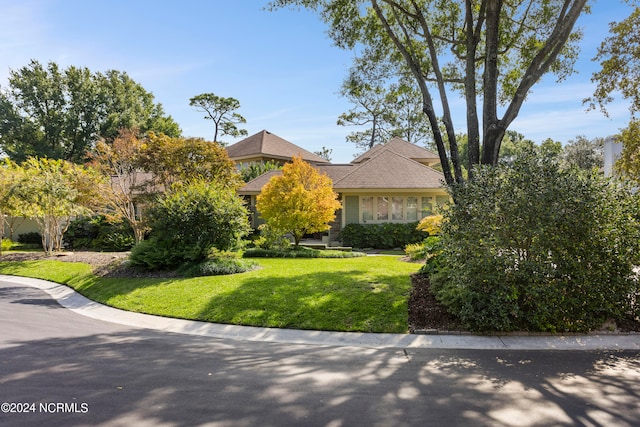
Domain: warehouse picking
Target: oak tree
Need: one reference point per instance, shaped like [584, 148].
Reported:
[492, 52]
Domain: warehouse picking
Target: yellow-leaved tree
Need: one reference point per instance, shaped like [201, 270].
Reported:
[299, 201]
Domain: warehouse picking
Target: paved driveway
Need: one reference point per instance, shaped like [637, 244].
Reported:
[64, 369]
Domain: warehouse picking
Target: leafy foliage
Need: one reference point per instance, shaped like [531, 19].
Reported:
[381, 236]
[628, 165]
[299, 201]
[98, 233]
[299, 252]
[53, 191]
[221, 111]
[535, 246]
[60, 114]
[254, 170]
[620, 61]
[173, 160]
[188, 222]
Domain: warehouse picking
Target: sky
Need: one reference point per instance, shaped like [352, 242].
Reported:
[281, 65]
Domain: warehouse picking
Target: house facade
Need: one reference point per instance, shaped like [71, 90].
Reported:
[392, 182]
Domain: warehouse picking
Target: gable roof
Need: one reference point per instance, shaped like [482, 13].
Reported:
[266, 144]
[389, 169]
[402, 147]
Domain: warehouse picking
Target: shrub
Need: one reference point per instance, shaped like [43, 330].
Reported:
[5, 244]
[99, 234]
[219, 266]
[188, 222]
[299, 252]
[381, 236]
[532, 246]
[31, 238]
[270, 239]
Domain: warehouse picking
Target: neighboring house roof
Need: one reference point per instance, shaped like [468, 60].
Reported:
[265, 144]
[404, 148]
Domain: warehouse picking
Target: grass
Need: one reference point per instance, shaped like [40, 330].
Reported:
[367, 294]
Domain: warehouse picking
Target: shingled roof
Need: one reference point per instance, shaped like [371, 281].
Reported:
[266, 144]
[385, 170]
[402, 147]
[389, 169]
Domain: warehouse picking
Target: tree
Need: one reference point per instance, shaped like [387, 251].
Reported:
[388, 104]
[628, 165]
[221, 111]
[61, 114]
[372, 108]
[325, 153]
[254, 170]
[53, 191]
[172, 160]
[491, 51]
[299, 201]
[121, 161]
[10, 175]
[189, 221]
[583, 153]
[619, 56]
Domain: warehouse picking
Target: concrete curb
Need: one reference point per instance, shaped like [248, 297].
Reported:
[77, 303]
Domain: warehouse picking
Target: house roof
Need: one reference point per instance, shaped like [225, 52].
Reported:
[386, 170]
[402, 147]
[389, 169]
[266, 144]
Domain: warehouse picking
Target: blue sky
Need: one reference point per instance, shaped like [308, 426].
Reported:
[281, 65]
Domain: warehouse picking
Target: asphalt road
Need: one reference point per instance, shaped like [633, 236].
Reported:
[59, 368]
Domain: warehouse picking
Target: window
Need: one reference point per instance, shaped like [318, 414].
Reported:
[412, 208]
[383, 209]
[367, 208]
[427, 206]
[397, 209]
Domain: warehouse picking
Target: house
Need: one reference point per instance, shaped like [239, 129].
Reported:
[392, 182]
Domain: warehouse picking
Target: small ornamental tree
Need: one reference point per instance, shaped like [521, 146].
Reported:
[53, 191]
[299, 201]
[120, 161]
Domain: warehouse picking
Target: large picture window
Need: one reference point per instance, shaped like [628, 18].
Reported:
[395, 208]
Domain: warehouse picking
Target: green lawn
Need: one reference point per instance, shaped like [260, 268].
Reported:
[356, 294]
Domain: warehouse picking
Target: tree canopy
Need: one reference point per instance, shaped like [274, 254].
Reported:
[60, 114]
[490, 51]
[299, 201]
[221, 111]
[619, 56]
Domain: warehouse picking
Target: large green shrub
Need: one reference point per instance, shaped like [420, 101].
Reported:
[188, 222]
[381, 236]
[533, 246]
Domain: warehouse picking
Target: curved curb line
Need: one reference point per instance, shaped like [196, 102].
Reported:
[77, 303]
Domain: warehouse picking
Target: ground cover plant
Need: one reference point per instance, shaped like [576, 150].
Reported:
[299, 252]
[367, 294]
